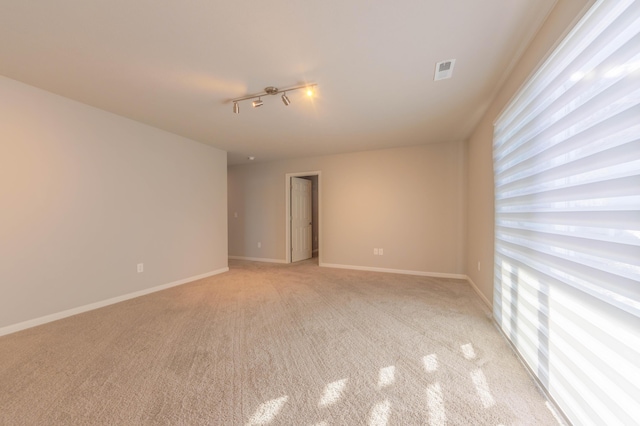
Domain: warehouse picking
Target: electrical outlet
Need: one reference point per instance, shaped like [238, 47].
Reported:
[375, 251]
[259, 245]
[380, 252]
[140, 267]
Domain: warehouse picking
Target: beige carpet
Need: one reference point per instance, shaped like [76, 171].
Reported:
[278, 345]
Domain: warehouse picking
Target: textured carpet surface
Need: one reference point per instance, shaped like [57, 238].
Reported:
[274, 344]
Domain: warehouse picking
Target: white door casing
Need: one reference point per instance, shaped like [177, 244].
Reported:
[301, 219]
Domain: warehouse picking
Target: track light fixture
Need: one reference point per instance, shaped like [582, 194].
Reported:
[272, 91]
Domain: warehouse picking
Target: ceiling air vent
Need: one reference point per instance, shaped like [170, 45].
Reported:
[444, 69]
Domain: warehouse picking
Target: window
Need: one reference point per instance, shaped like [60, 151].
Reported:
[567, 216]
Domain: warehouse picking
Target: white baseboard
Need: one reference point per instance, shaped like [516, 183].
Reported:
[482, 296]
[395, 271]
[74, 311]
[258, 259]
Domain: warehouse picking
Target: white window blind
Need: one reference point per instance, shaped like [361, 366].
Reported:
[567, 221]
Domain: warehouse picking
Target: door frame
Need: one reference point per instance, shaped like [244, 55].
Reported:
[287, 216]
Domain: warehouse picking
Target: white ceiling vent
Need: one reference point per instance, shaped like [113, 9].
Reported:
[444, 69]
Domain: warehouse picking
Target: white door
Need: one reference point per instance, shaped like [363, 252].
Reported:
[300, 219]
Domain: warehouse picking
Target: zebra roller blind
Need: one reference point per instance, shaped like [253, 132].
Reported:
[567, 216]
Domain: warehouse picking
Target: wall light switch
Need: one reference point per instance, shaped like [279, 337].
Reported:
[375, 251]
[259, 245]
[380, 252]
[235, 215]
[140, 267]
[478, 266]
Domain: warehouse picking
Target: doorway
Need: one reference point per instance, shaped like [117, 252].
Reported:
[302, 240]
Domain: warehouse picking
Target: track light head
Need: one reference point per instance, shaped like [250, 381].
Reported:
[271, 90]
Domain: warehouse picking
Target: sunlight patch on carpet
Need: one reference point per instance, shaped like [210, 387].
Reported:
[332, 392]
[480, 382]
[435, 402]
[386, 376]
[267, 411]
[430, 363]
[468, 351]
[380, 413]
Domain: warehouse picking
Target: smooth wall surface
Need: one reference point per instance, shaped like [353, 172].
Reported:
[480, 195]
[86, 195]
[407, 201]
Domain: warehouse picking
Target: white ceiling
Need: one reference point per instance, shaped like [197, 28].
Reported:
[176, 64]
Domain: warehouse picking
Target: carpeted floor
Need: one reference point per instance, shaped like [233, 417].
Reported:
[274, 344]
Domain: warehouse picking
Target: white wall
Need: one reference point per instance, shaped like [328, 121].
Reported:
[480, 196]
[408, 201]
[85, 195]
